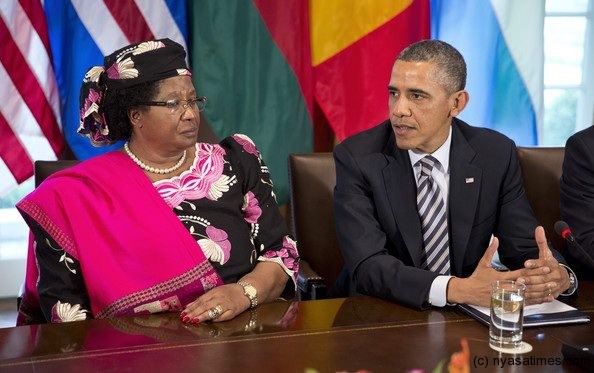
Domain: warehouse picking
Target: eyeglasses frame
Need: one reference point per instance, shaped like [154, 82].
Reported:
[201, 99]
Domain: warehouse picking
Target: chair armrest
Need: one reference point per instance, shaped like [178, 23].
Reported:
[20, 295]
[310, 285]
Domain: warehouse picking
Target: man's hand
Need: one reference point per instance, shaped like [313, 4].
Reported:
[476, 289]
[545, 279]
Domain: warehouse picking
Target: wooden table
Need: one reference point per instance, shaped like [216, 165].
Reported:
[345, 334]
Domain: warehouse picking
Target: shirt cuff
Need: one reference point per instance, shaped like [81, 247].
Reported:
[573, 282]
[438, 293]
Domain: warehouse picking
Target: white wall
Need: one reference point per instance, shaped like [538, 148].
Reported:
[13, 252]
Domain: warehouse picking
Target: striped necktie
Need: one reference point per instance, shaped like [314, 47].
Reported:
[432, 211]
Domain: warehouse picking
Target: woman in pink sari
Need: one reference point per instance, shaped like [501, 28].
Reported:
[163, 224]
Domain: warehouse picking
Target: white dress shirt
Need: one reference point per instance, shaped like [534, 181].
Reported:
[441, 175]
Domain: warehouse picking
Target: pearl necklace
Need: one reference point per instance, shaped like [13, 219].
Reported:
[151, 169]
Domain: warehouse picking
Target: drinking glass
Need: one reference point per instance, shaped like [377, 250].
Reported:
[507, 312]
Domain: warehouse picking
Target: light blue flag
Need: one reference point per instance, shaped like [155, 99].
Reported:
[502, 43]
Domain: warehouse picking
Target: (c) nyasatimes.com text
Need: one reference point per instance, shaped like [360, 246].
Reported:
[502, 362]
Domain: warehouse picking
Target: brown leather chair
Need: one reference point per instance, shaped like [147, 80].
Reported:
[541, 171]
[312, 179]
[45, 168]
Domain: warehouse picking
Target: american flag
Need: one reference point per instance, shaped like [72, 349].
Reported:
[30, 126]
[45, 50]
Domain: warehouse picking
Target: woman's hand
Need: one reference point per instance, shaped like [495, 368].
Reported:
[223, 302]
[227, 301]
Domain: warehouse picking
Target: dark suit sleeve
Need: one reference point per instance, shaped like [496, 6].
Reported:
[516, 221]
[363, 242]
[577, 194]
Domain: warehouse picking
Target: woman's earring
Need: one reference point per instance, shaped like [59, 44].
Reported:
[135, 117]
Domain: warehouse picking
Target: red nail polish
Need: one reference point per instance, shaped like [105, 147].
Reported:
[183, 314]
[195, 320]
[186, 319]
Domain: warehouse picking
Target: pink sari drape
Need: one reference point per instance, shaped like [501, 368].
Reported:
[135, 254]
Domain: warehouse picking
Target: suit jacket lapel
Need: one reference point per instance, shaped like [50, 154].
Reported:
[401, 190]
[465, 185]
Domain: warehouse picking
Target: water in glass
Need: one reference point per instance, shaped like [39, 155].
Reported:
[507, 311]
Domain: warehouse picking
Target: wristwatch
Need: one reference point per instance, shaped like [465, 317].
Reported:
[249, 291]
[573, 282]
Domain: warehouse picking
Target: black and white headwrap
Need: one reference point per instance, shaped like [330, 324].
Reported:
[134, 64]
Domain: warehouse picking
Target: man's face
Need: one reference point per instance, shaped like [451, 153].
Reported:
[421, 108]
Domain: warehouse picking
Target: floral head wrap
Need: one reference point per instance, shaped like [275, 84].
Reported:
[134, 64]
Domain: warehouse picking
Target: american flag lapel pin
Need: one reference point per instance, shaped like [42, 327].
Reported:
[469, 180]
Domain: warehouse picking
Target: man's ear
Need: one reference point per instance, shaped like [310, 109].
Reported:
[459, 101]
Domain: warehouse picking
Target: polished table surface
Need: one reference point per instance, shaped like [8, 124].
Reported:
[344, 334]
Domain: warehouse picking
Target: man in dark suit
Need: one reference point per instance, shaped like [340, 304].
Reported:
[577, 198]
[418, 197]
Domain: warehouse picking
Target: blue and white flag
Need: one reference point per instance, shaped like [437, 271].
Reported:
[502, 43]
[81, 32]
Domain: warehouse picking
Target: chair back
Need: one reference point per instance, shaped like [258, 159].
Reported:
[45, 168]
[541, 171]
[312, 179]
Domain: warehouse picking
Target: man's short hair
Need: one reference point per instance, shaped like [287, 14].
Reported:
[450, 63]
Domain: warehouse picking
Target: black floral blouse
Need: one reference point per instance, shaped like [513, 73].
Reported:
[227, 203]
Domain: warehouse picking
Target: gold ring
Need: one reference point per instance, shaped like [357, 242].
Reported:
[212, 314]
[215, 312]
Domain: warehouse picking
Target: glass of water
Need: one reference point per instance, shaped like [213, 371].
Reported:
[507, 312]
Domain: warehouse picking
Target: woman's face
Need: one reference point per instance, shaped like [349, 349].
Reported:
[168, 130]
